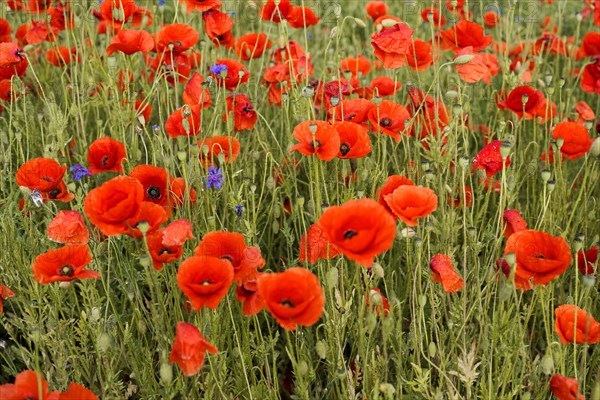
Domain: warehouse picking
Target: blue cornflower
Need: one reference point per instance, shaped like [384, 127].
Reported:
[239, 210]
[155, 127]
[161, 2]
[215, 178]
[218, 68]
[79, 171]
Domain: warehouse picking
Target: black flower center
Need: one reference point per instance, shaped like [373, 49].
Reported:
[287, 303]
[227, 257]
[349, 234]
[385, 122]
[104, 161]
[153, 192]
[315, 144]
[54, 193]
[66, 270]
[344, 148]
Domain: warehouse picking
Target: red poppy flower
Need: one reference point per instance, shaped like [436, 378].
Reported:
[43, 174]
[590, 45]
[231, 246]
[59, 193]
[160, 252]
[420, 56]
[489, 159]
[409, 203]
[252, 45]
[389, 118]
[226, 145]
[574, 325]
[465, 34]
[384, 86]
[184, 122]
[143, 111]
[565, 388]
[189, 348]
[177, 232]
[68, 227]
[356, 65]
[275, 11]
[434, 17]
[151, 214]
[5, 30]
[391, 184]
[539, 255]
[205, 280]
[293, 297]
[514, 222]
[179, 192]
[475, 69]
[247, 292]
[176, 38]
[61, 55]
[106, 155]
[130, 42]
[28, 385]
[244, 116]
[586, 260]
[443, 271]
[352, 110]
[112, 204]
[64, 264]
[315, 246]
[218, 26]
[376, 9]
[590, 79]
[301, 17]
[354, 140]
[237, 74]
[378, 302]
[117, 11]
[5, 293]
[77, 392]
[154, 181]
[360, 229]
[584, 111]
[10, 54]
[201, 5]
[523, 101]
[392, 45]
[317, 137]
[576, 139]
[196, 92]
[491, 19]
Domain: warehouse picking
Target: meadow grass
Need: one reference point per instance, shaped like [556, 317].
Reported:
[114, 334]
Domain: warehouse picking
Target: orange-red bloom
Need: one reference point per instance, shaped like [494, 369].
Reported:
[151, 214]
[154, 181]
[43, 174]
[131, 41]
[392, 182]
[490, 160]
[378, 302]
[176, 38]
[524, 101]
[244, 116]
[68, 227]
[514, 222]
[184, 121]
[410, 202]
[443, 271]
[77, 392]
[5, 293]
[247, 292]
[10, 54]
[574, 325]
[539, 255]
[106, 155]
[112, 204]
[201, 5]
[196, 92]
[376, 9]
[237, 74]
[189, 348]
[360, 229]
[275, 11]
[302, 16]
[205, 280]
[475, 69]
[63, 264]
[465, 34]
[392, 45]
[293, 297]
[389, 118]
[252, 45]
[229, 146]
[586, 260]
[314, 246]
[231, 246]
[28, 385]
[576, 139]
[565, 388]
[317, 137]
[354, 140]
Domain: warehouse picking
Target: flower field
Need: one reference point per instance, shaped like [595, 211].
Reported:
[290, 199]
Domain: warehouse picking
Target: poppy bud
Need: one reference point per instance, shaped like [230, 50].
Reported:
[432, 349]
[511, 259]
[548, 78]
[322, 349]
[387, 389]
[588, 124]
[360, 22]
[589, 281]
[378, 270]
[166, 373]
[104, 342]
[64, 285]
[429, 175]
[595, 148]
[302, 368]
[275, 227]
[456, 109]
[337, 10]
[547, 364]
[464, 59]
[181, 155]
[371, 321]
[452, 94]
[464, 162]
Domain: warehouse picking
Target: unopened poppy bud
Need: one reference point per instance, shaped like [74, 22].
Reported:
[332, 277]
[505, 150]
[141, 326]
[375, 298]
[432, 349]
[464, 59]
[595, 148]
[302, 368]
[378, 270]
[422, 299]
[310, 206]
[104, 342]
[387, 389]
[418, 242]
[548, 78]
[337, 10]
[596, 391]
[308, 91]
[546, 175]
[145, 261]
[511, 259]
[118, 14]
[371, 321]
[333, 33]
[360, 22]
[588, 124]
[425, 165]
[221, 158]
[457, 109]
[452, 94]
[64, 285]
[472, 232]
[551, 185]
[322, 349]
[547, 364]
[166, 373]
[464, 162]
[181, 155]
